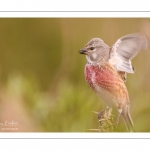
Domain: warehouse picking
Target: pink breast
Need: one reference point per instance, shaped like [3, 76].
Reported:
[98, 75]
[106, 81]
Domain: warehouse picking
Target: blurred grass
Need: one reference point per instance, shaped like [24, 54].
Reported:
[67, 110]
[42, 81]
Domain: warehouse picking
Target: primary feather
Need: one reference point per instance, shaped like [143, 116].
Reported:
[126, 48]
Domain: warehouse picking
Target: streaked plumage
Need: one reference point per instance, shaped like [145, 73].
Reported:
[106, 70]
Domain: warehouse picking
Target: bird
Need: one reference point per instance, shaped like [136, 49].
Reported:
[106, 71]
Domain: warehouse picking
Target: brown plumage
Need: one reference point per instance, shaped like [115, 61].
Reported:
[123, 75]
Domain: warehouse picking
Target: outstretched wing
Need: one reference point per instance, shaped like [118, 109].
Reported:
[125, 49]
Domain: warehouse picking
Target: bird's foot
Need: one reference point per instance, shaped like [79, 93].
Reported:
[117, 120]
[116, 123]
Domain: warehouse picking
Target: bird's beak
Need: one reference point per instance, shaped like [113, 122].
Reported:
[82, 51]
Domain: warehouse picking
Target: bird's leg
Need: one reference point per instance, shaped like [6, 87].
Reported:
[119, 114]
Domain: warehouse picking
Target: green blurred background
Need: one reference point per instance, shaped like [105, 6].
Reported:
[42, 74]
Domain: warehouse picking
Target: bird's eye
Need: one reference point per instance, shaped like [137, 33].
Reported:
[91, 48]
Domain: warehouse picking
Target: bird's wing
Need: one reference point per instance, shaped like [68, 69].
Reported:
[125, 49]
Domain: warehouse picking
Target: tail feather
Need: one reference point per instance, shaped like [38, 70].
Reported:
[127, 118]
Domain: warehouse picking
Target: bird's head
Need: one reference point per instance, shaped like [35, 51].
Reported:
[96, 51]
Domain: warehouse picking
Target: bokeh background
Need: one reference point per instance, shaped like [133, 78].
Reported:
[42, 85]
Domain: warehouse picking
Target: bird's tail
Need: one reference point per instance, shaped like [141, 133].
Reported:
[127, 118]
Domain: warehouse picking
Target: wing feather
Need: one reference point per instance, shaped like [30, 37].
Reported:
[126, 48]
